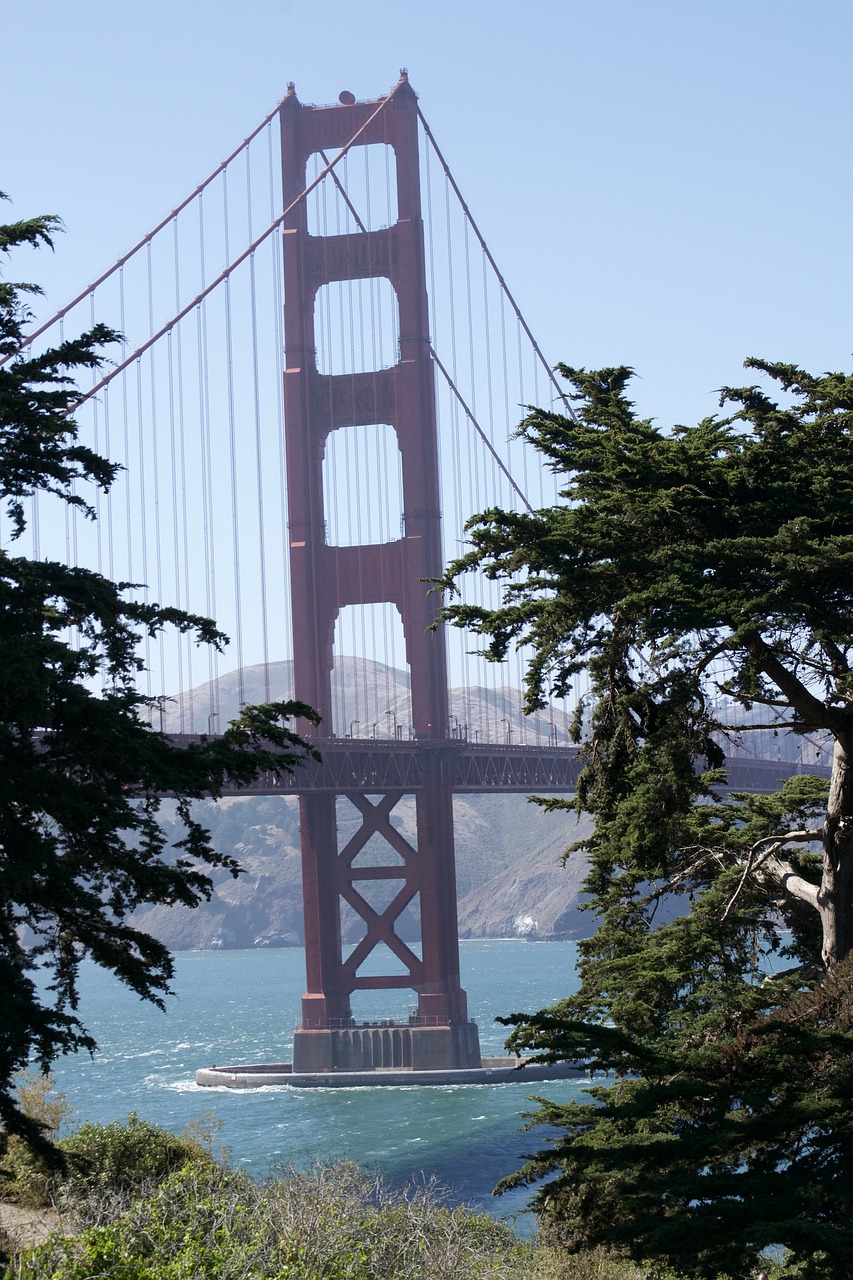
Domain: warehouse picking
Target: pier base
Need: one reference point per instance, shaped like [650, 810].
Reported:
[373, 1054]
[379, 1046]
[492, 1071]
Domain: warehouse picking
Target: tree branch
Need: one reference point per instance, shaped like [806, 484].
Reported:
[790, 880]
[753, 863]
[755, 724]
[813, 711]
[709, 657]
[790, 837]
[837, 658]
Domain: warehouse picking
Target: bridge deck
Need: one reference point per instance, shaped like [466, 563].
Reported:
[362, 764]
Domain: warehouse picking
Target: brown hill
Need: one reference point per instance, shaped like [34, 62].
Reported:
[370, 700]
[535, 897]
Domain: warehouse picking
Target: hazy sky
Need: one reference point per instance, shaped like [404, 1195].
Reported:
[664, 183]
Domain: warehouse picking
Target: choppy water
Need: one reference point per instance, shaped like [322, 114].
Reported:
[241, 1006]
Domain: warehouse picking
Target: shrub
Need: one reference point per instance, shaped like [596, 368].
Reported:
[108, 1166]
[337, 1223]
[158, 1207]
[26, 1175]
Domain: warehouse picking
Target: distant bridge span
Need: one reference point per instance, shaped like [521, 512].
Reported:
[362, 764]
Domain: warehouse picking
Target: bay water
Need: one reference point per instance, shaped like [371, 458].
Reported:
[241, 1006]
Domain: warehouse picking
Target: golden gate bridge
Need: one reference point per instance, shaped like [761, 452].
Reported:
[319, 380]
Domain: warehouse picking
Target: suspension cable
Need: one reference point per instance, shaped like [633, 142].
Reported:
[475, 424]
[560, 392]
[228, 271]
[146, 239]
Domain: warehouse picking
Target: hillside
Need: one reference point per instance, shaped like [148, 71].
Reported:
[534, 895]
[509, 876]
[369, 700]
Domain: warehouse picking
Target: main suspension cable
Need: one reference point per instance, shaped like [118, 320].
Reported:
[232, 266]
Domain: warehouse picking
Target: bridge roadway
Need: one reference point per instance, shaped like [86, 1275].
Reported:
[361, 764]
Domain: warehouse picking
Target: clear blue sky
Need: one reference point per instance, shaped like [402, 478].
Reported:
[666, 184]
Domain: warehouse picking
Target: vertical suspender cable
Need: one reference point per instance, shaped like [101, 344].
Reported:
[232, 440]
[155, 452]
[207, 481]
[108, 504]
[66, 512]
[278, 308]
[176, 468]
[108, 501]
[143, 515]
[174, 460]
[258, 449]
[460, 472]
[97, 447]
[182, 537]
[125, 378]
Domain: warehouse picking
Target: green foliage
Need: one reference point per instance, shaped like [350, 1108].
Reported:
[97, 1170]
[26, 1175]
[107, 1166]
[39, 1098]
[84, 774]
[554, 1263]
[685, 571]
[333, 1223]
[716, 1149]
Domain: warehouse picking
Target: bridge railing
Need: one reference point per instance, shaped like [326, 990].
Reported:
[361, 764]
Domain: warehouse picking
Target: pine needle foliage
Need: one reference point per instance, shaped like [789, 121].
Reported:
[683, 572]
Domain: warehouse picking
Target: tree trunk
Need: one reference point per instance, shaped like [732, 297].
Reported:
[835, 898]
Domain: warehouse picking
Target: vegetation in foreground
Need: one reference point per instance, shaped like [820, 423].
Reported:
[136, 1202]
[139, 1203]
[702, 578]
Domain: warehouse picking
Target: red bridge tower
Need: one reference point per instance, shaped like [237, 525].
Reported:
[326, 578]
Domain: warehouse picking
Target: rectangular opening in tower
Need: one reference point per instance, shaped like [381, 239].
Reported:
[371, 681]
[356, 326]
[362, 486]
[360, 194]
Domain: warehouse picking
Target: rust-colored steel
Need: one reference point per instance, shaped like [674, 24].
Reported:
[325, 578]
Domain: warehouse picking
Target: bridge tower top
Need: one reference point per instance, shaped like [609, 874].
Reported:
[326, 578]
